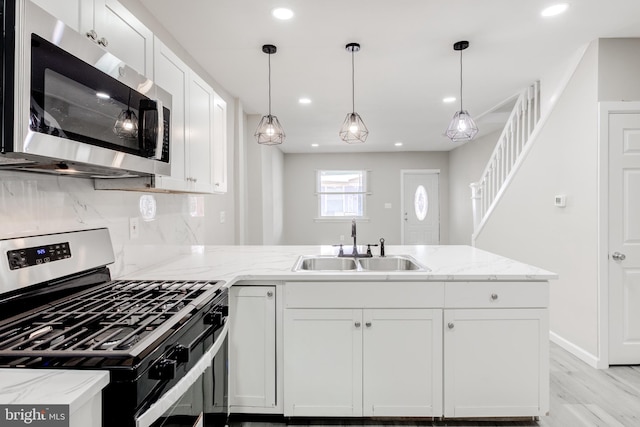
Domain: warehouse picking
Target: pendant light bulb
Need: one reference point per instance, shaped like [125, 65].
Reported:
[353, 130]
[269, 131]
[462, 126]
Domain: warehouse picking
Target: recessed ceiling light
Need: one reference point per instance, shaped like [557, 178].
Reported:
[554, 10]
[304, 101]
[449, 99]
[398, 144]
[315, 145]
[282, 13]
[102, 95]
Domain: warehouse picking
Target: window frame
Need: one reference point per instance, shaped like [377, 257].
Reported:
[344, 218]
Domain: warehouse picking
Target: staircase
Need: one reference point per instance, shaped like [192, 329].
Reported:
[506, 157]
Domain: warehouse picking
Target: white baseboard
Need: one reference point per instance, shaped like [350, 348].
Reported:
[578, 352]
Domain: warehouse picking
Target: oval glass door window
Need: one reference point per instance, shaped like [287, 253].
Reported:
[421, 203]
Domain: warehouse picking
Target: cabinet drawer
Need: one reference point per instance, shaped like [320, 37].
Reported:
[364, 294]
[496, 294]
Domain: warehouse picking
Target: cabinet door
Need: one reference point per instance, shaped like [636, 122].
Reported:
[496, 362]
[200, 146]
[252, 347]
[323, 362]
[172, 74]
[402, 373]
[71, 12]
[128, 39]
[219, 145]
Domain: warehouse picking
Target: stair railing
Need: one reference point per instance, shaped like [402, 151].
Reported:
[511, 144]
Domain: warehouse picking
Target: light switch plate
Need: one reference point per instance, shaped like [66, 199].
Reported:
[560, 201]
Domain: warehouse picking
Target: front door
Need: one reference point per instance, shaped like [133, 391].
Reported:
[420, 207]
[624, 238]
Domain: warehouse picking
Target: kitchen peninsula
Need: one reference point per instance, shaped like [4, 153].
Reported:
[466, 337]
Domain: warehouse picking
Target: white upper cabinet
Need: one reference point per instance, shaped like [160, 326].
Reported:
[109, 24]
[126, 37]
[198, 128]
[71, 12]
[172, 75]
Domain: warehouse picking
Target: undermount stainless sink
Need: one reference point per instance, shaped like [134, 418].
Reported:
[325, 263]
[391, 263]
[334, 263]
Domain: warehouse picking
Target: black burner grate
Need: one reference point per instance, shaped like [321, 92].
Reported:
[119, 318]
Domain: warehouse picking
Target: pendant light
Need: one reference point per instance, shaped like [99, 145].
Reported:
[269, 131]
[126, 125]
[462, 126]
[353, 130]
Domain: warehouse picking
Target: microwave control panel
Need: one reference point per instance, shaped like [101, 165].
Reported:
[37, 255]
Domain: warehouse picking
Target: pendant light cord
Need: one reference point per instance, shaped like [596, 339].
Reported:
[353, 84]
[269, 85]
[461, 80]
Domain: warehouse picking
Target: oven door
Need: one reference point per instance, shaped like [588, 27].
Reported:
[202, 390]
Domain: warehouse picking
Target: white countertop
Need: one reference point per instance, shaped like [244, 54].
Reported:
[235, 263]
[51, 386]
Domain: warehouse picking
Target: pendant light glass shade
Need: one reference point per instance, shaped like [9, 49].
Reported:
[462, 126]
[353, 130]
[269, 131]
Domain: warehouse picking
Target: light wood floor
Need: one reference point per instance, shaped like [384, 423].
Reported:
[580, 396]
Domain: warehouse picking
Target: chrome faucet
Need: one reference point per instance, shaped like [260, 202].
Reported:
[354, 251]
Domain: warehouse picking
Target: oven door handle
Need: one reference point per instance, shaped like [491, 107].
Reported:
[181, 353]
[158, 408]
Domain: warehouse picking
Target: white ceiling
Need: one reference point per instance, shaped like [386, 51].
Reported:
[405, 68]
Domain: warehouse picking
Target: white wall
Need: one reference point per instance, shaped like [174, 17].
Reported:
[301, 205]
[619, 70]
[264, 186]
[466, 164]
[526, 225]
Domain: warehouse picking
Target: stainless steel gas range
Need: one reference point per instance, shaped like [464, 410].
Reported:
[59, 309]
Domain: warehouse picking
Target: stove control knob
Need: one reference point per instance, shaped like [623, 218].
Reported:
[181, 354]
[163, 369]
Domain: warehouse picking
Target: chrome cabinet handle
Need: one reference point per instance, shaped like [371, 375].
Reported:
[450, 325]
[269, 294]
[368, 324]
[494, 297]
[617, 256]
[357, 324]
[92, 35]
[103, 42]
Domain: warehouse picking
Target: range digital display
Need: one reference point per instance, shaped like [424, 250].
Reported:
[28, 257]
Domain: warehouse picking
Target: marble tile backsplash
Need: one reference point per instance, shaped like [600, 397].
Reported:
[39, 204]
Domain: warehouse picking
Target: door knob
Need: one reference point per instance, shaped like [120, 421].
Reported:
[617, 256]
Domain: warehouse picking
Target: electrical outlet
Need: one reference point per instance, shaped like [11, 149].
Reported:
[223, 217]
[134, 228]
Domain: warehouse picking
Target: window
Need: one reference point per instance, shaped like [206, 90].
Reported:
[341, 193]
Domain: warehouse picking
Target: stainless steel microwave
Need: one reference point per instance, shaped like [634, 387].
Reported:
[71, 107]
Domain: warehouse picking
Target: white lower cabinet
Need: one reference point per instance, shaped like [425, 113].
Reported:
[363, 362]
[496, 362]
[252, 349]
